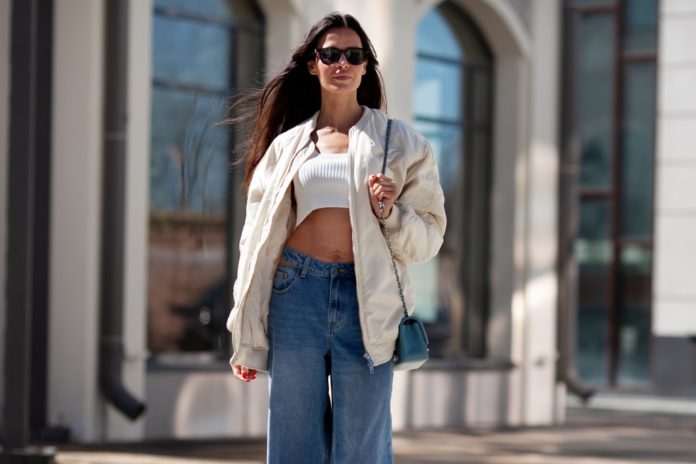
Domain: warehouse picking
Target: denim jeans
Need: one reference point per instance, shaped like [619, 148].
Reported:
[327, 403]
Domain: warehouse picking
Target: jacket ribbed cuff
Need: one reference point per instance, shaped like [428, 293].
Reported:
[248, 357]
[393, 221]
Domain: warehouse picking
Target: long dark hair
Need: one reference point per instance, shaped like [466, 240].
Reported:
[294, 94]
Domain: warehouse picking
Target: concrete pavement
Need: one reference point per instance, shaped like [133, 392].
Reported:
[589, 436]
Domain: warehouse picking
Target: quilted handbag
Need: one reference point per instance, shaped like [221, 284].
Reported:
[411, 349]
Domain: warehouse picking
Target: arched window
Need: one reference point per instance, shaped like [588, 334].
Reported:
[452, 107]
[203, 52]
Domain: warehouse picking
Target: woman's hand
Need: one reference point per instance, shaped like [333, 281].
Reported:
[244, 373]
[381, 188]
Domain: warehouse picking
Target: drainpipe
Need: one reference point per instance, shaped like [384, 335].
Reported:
[566, 327]
[113, 212]
[565, 366]
[568, 224]
[566, 321]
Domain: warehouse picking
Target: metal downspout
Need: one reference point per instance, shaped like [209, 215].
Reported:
[113, 211]
[568, 223]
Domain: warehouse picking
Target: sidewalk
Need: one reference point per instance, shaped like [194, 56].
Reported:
[589, 436]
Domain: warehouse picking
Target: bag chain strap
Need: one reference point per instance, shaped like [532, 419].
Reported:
[385, 231]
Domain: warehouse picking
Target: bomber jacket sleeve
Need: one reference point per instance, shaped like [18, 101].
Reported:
[257, 187]
[240, 321]
[417, 220]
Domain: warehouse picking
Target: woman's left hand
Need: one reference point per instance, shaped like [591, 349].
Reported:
[382, 188]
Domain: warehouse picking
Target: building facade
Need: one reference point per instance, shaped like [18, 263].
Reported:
[562, 136]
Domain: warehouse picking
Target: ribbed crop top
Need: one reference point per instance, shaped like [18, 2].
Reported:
[321, 182]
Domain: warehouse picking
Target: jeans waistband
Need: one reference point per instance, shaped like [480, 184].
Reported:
[310, 265]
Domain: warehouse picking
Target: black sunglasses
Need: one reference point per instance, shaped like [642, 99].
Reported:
[331, 55]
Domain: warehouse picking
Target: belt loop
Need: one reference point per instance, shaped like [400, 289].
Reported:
[305, 266]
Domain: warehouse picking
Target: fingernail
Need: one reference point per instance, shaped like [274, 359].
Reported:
[244, 374]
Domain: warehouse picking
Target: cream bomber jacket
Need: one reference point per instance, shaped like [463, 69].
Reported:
[416, 226]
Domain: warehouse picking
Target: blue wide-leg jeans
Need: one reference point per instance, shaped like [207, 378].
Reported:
[316, 347]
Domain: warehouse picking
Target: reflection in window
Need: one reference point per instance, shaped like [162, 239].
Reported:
[188, 168]
[634, 283]
[594, 257]
[596, 68]
[638, 140]
[612, 70]
[451, 101]
[640, 25]
[203, 52]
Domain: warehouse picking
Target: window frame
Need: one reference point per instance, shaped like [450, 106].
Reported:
[213, 358]
[474, 265]
[573, 193]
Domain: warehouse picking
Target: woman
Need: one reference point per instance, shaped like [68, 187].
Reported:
[316, 301]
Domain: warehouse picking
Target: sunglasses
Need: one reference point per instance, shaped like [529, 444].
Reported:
[331, 55]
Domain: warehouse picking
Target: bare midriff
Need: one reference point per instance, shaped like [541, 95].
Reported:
[325, 234]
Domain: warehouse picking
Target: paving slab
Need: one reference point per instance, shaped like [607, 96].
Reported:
[589, 436]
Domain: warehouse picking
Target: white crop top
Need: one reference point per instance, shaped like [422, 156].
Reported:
[321, 182]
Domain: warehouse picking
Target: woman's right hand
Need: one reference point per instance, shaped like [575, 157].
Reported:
[244, 373]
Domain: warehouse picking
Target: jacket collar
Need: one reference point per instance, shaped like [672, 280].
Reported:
[308, 126]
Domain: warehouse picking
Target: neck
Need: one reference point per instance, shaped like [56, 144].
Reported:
[339, 112]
